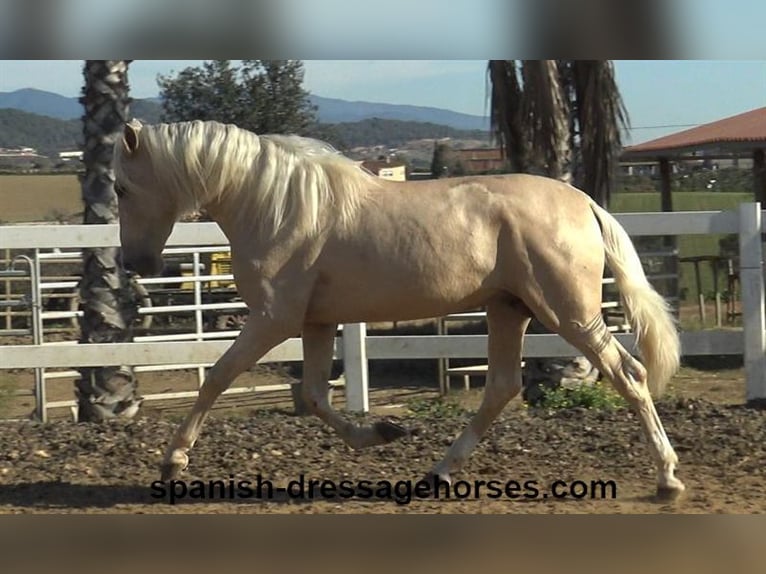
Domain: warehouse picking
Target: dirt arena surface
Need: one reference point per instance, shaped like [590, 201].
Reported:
[63, 467]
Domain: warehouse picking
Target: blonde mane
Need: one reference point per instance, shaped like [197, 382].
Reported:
[279, 181]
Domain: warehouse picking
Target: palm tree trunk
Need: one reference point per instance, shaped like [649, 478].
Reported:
[107, 301]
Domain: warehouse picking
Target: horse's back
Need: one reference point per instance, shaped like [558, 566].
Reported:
[529, 192]
[525, 194]
[537, 210]
[426, 250]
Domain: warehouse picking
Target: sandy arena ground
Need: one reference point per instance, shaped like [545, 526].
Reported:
[66, 467]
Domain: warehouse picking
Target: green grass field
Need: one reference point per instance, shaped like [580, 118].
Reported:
[40, 198]
[682, 201]
[688, 245]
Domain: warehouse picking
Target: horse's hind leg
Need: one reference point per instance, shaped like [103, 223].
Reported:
[317, 361]
[507, 323]
[629, 378]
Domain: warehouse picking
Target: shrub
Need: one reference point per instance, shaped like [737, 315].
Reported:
[595, 396]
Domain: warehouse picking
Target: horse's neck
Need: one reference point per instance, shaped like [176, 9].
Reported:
[242, 234]
[226, 218]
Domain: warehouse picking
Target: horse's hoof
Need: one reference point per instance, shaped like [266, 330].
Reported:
[389, 431]
[431, 477]
[171, 468]
[436, 485]
[670, 493]
[170, 471]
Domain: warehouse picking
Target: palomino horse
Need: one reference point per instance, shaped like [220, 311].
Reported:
[317, 241]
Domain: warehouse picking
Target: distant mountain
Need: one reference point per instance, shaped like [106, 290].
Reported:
[391, 133]
[50, 135]
[42, 103]
[330, 110]
[63, 108]
[46, 134]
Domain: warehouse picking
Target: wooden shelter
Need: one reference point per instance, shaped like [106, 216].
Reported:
[739, 136]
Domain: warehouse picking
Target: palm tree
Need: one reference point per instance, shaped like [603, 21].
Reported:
[506, 113]
[563, 119]
[107, 300]
[560, 118]
[600, 118]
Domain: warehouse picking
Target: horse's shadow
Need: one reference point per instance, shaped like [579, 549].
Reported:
[52, 495]
[56, 494]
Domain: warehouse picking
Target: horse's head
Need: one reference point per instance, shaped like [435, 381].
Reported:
[147, 214]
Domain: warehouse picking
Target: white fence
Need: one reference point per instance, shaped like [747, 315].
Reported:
[195, 295]
[355, 348]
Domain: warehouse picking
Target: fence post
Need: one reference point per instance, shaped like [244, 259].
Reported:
[41, 405]
[8, 291]
[198, 326]
[752, 282]
[355, 367]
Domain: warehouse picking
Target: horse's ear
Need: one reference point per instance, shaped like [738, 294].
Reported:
[130, 136]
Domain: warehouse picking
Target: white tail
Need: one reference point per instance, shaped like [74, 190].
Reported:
[648, 312]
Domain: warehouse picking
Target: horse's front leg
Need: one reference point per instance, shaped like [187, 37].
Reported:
[317, 361]
[507, 325]
[257, 337]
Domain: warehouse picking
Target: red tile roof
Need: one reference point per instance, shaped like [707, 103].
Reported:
[742, 128]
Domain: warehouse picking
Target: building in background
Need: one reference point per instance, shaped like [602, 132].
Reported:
[387, 169]
[70, 155]
[480, 160]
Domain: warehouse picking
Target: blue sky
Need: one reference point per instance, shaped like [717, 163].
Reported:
[730, 29]
[656, 93]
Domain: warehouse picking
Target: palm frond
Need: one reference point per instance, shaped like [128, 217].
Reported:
[506, 119]
[546, 111]
[601, 117]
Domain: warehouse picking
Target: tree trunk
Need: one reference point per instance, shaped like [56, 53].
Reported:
[107, 300]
